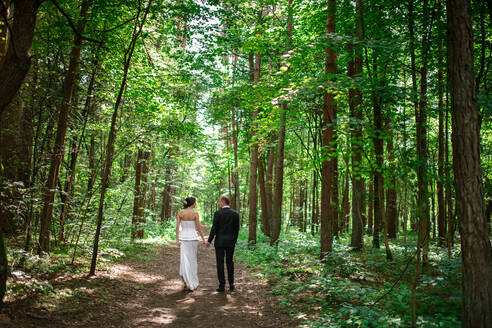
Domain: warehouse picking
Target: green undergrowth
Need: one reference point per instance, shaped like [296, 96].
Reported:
[347, 289]
[53, 279]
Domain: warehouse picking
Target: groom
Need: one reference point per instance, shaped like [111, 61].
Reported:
[225, 230]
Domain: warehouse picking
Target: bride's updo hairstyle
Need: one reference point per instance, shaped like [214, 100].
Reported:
[189, 201]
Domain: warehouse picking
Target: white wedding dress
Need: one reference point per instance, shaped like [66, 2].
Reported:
[188, 267]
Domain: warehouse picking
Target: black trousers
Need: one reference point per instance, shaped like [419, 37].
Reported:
[219, 255]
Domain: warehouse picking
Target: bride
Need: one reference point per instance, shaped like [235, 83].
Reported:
[187, 226]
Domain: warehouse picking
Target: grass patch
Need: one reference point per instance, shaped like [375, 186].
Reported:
[341, 291]
[53, 280]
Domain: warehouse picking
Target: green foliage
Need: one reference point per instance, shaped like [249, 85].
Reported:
[342, 290]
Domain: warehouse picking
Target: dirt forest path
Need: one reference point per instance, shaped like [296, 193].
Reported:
[147, 292]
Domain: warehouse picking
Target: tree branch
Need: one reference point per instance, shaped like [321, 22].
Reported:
[72, 25]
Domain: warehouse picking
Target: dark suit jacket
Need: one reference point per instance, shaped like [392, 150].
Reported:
[225, 228]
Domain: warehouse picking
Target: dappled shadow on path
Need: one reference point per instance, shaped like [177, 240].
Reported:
[148, 293]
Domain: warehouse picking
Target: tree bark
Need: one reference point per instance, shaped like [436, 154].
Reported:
[391, 209]
[59, 147]
[276, 218]
[236, 201]
[328, 166]
[269, 188]
[356, 115]
[449, 187]
[476, 251]
[378, 154]
[422, 152]
[441, 205]
[344, 218]
[265, 215]
[166, 195]
[18, 59]
[137, 194]
[143, 195]
[370, 209]
[253, 169]
[91, 158]
[4, 15]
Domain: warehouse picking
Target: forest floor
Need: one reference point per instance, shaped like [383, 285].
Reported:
[145, 291]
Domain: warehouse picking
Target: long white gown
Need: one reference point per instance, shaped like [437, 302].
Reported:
[188, 267]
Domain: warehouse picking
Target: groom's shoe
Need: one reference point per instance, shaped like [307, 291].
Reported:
[221, 289]
[231, 288]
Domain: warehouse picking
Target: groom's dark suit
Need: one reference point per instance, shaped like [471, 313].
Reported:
[225, 230]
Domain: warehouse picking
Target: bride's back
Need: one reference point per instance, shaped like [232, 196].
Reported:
[187, 225]
[187, 215]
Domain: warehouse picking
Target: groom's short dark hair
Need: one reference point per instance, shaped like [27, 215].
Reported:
[225, 200]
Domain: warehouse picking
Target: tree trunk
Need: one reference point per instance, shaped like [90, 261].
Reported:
[265, 215]
[112, 135]
[370, 209]
[279, 180]
[91, 158]
[76, 149]
[15, 152]
[269, 187]
[302, 202]
[344, 223]
[144, 186]
[476, 251]
[4, 35]
[449, 187]
[441, 205]
[166, 195]
[137, 194]
[378, 154]
[356, 115]
[253, 170]
[421, 139]
[17, 60]
[236, 201]
[276, 218]
[391, 209]
[328, 166]
[4, 267]
[59, 147]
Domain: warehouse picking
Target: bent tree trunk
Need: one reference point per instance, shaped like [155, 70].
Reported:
[475, 244]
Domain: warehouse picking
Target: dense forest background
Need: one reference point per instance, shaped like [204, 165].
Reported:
[353, 137]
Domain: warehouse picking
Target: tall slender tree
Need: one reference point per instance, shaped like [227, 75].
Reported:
[328, 166]
[356, 115]
[108, 162]
[253, 169]
[276, 219]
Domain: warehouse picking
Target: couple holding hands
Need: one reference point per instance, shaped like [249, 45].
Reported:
[225, 229]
